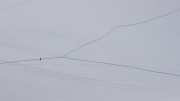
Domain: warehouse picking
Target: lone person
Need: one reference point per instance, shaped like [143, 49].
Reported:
[40, 59]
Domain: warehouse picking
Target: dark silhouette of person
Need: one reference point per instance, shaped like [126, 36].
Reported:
[40, 59]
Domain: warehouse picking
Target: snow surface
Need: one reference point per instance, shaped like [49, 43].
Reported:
[51, 28]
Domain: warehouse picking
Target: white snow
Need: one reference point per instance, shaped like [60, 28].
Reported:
[52, 28]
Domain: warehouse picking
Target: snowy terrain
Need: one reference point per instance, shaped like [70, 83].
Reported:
[51, 28]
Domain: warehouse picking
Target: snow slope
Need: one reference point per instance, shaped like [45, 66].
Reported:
[51, 28]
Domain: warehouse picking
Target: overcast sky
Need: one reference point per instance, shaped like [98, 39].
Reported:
[51, 28]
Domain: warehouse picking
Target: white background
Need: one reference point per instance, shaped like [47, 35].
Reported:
[52, 28]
